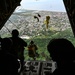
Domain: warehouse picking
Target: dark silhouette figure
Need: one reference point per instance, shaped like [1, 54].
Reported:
[32, 48]
[18, 46]
[9, 64]
[62, 51]
[38, 14]
[6, 45]
[36, 18]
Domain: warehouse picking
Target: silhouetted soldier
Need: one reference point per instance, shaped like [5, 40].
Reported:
[6, 45]
[9, 64]
[18, 46]
[62, 51]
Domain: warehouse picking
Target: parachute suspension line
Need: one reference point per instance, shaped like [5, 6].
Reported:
[7, 29]
[13, 23]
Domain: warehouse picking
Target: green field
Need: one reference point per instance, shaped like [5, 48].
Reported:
[42, 41]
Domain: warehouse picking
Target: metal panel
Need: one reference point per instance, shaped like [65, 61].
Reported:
[70, 9]
[7, 7]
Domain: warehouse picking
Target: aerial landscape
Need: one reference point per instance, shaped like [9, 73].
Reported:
[31, 25]
[37, 37]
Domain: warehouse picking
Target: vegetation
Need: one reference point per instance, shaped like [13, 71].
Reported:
[59, 27]
[43, 40]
